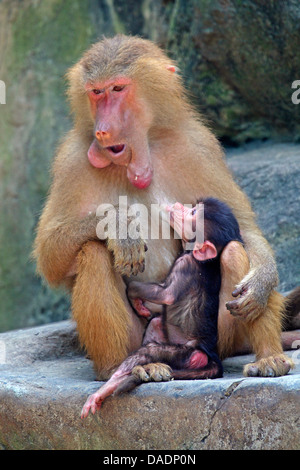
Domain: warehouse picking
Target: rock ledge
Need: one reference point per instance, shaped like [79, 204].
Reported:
[45, 380]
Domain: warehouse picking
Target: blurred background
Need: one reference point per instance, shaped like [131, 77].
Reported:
[238, 59]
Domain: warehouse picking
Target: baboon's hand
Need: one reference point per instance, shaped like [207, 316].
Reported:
[251, 297]
[129, 255]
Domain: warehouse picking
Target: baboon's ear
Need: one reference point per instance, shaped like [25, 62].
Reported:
[204, 251]
[173, 68]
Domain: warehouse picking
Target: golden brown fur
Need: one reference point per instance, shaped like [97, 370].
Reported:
[188, 163]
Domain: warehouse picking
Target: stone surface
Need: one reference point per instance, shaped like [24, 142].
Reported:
[45, 380]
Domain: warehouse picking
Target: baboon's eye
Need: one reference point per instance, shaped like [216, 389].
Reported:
[118, 87]
[97, 91]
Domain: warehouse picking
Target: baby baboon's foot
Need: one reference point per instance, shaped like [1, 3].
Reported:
[156, 372]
